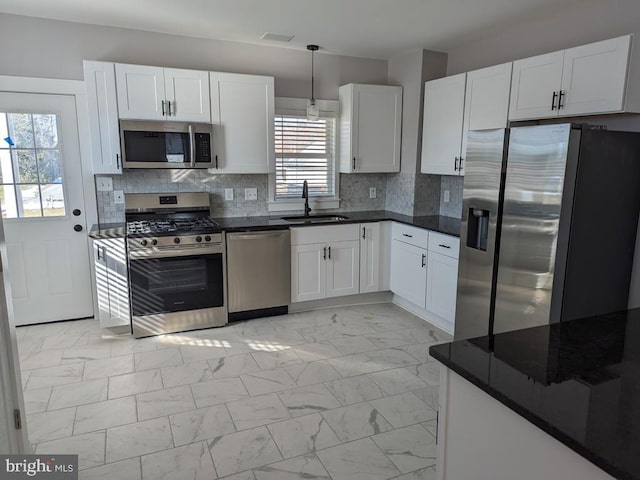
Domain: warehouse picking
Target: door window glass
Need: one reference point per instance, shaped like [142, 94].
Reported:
[30, 166]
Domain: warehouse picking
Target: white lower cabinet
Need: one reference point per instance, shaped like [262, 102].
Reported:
[409, 272]
[442, 279]
[112, 282]
[325, 262]
[371, 258]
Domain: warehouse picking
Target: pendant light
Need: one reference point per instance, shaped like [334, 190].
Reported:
[313, 112]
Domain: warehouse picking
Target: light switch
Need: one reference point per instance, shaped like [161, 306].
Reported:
[251, 194]
[228, 194]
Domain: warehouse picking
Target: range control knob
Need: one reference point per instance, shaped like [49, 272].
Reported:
[176, 240]
[154, 242]
[143, 243]
[207, 238]
[198, 238]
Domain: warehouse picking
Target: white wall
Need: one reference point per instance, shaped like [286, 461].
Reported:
[589, 21]
[48, 48]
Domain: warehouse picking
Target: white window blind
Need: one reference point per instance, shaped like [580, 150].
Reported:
[305, 150]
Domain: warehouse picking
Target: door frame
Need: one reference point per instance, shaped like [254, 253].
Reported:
[75, 88]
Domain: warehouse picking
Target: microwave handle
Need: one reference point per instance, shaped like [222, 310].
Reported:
[192, 146]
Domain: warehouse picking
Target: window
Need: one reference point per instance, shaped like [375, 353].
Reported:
[30, 166]
[304, 150]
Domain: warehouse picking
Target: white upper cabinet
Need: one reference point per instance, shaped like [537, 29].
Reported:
[188, 94]
[589, 79]
[242, 108]
[486, 104]
[156, 93]
[100, 82]
[370, 128]
[442, 125]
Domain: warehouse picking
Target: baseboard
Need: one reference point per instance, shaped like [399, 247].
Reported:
[347, 301]
[427, 316]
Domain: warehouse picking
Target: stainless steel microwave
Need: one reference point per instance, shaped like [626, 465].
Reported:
[166, 144]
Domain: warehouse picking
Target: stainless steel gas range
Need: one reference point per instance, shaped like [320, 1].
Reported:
[176, 254]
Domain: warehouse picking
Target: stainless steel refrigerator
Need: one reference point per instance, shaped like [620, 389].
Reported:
[549, 222]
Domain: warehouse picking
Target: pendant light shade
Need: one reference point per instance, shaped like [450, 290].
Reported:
[313, 112]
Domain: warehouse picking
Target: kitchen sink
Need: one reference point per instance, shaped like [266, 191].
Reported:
[315, 218]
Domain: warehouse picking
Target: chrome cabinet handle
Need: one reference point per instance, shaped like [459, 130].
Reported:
[192, 146]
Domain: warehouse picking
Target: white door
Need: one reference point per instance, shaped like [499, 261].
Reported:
[188, 92]
[378, 118]
[594, 77]
[308, 272]
[535, 81]
[141, 92]
[43, 208]
[442, 125]
[343, 268]
[370, 257]
[408, 272]
[442, 285]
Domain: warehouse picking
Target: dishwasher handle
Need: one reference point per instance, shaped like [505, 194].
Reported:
[253, 235]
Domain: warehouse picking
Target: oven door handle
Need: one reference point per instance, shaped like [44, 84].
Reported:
[192, 146]
[182, 252]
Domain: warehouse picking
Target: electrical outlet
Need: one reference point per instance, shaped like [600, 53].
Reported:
[251, 194]
[118, 197]
[228, 194]
[104, 184]
[446, 196]
[372, 192]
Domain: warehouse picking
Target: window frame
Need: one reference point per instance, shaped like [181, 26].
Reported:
[298, 107]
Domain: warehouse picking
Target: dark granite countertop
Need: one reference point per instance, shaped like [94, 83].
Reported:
[436, 223]
[579, 381]
[108, 230]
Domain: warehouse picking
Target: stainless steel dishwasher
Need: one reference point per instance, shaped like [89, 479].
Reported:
[258, 274]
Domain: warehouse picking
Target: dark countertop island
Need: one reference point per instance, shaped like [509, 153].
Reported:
[579, 381]
[436, 223]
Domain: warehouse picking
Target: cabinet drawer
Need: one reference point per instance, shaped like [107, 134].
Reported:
[444, 244]
[324, 234]
[411, 235]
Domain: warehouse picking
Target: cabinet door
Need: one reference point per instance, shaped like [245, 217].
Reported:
[486, 104]
[377, 118]
[188, 92]
[442, 125]
[594, 77]
[308, 272]
[343, 268]
[112, 282]
[533, 84]
[408, 272]
[140, 92]
[100, 82]
[370, 254]
[245, 109]
[442, 283]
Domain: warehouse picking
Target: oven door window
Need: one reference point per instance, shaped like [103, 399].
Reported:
[176, 284]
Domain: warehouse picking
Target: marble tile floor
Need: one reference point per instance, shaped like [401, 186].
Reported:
[344, 393]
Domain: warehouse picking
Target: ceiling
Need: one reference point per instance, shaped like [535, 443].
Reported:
[365, 28]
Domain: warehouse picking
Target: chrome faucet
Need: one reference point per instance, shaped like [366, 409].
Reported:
[305, 195]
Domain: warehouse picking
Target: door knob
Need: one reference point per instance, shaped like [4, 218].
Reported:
[77, 228]
[76, 212]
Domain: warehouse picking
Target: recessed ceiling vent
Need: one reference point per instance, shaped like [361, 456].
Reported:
[277, 37]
